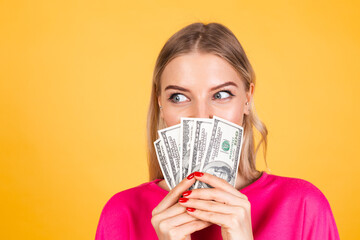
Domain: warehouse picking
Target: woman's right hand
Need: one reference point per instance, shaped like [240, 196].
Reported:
[171, 220]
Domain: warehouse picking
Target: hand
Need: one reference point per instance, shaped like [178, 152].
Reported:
[170, 220]
[223, 205]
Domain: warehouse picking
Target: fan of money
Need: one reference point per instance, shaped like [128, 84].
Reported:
[199, 144]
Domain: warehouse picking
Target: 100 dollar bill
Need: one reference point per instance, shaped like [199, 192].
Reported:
[223, 152]
[171, 139]
[200, 143]
[164, 163]
[186, 139]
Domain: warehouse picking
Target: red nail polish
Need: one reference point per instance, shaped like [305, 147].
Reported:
[199, 174]
[186, 193]
[190, 209]
[183, 200]
[190, 176]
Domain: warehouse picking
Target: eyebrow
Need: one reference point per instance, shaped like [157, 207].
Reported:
[212, 89]
[176, 88]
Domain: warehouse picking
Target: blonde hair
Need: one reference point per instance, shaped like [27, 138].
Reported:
[217, 39]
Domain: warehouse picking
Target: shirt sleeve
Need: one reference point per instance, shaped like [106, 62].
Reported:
[319, 222]
[114, 222]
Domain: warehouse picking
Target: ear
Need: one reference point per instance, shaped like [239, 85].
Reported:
[249, 96]
[159, 104]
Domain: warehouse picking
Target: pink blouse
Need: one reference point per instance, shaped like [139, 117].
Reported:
[281, 208]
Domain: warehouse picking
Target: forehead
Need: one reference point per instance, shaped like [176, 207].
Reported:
[199, 69]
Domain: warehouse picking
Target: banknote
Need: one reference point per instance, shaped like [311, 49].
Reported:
[186, 136]
[164, 163]
[200, 143]
[171, 138]
[223, 152]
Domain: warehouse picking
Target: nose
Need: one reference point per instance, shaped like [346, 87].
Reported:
[202, 110]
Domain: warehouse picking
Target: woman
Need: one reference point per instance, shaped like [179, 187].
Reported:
[201, 72]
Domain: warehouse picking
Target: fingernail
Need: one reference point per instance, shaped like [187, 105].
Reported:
[186, 193]
[189, 209]
[199, 174]
[183, 200]
[190, 176]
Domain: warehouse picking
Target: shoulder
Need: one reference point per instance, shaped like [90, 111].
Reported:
[308, 203]
[122, 209]
[123, 199]
[302, 197]
[298, 188]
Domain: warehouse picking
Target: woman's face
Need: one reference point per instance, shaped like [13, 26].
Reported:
[200, 86]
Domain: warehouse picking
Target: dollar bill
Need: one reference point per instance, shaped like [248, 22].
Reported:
[223, 152]
[186, 136]
[171, 138]
[164, 163]
[200, 142]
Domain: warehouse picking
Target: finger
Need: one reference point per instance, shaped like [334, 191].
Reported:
[212, 206]
[215, 194]
[224, 220]
[217, 182]
[174, 194]
[188, 228]
[174, 210]
[175, 221]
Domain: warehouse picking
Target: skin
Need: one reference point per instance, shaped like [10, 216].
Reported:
[203, 85]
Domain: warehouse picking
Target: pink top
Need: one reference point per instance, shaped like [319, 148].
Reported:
[281, 208]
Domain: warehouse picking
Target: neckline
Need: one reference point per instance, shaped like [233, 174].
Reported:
[247, 188]
[257, 182]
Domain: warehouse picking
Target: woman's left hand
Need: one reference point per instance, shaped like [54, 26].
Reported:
[222, 205]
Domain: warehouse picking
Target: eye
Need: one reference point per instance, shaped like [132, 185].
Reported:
[222, 94]
[177, 97]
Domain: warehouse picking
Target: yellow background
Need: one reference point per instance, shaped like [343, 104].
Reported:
[75, 83]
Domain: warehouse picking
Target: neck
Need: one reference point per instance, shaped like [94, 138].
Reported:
[241, 182]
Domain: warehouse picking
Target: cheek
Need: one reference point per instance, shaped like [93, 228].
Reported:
[171, 116]
[234, 113]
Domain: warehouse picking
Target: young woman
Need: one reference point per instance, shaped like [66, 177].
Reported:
[202, 71]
